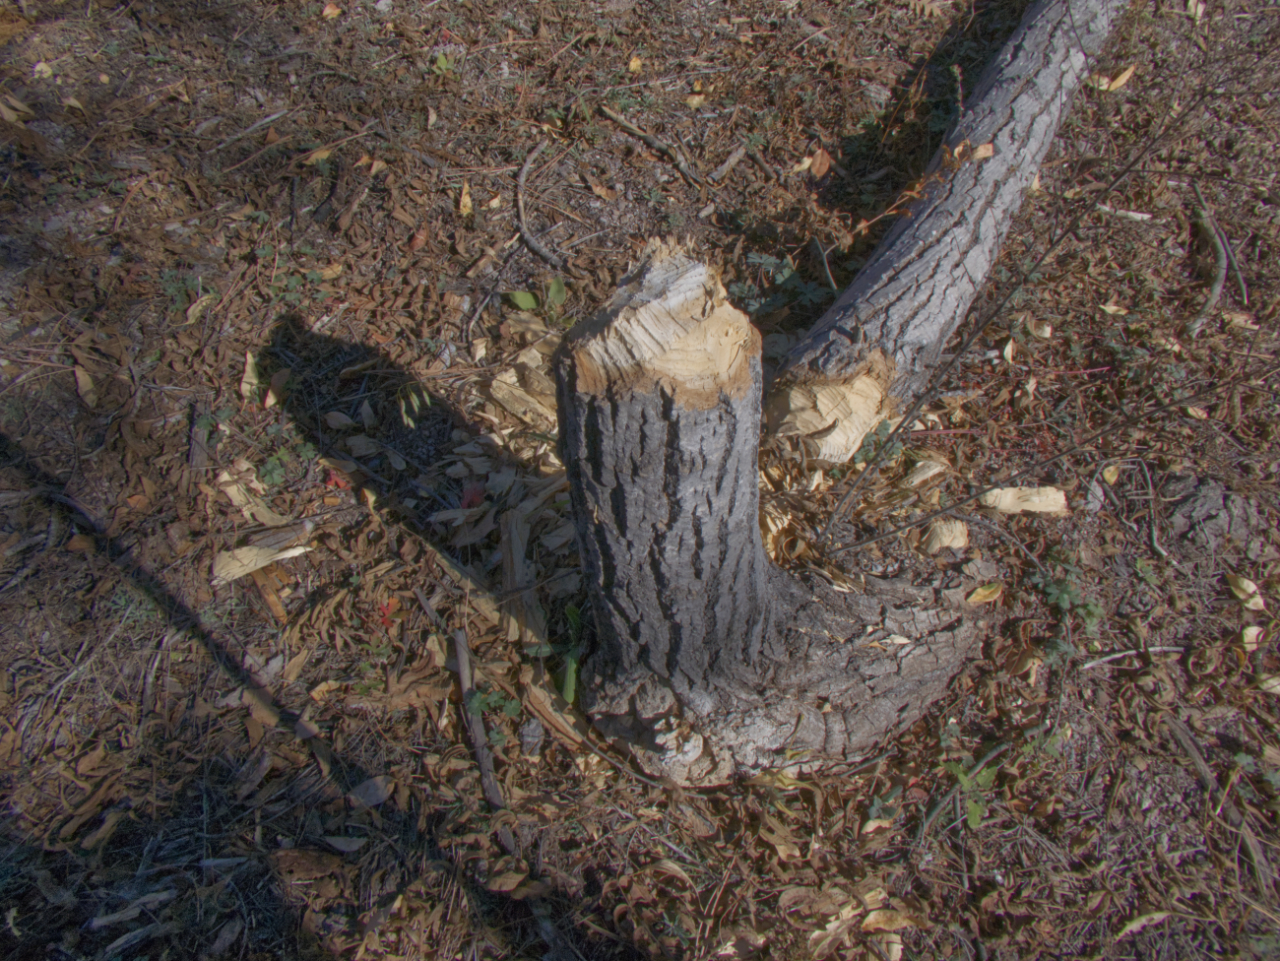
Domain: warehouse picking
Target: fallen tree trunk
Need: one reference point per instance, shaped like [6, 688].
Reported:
[710, 659]
[874, 349]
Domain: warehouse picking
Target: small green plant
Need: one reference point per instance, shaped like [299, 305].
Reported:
[443, 66]
[874, 440]
[180, 287]
[274, 469]
[552, 299]
[783, 287]
[484, 702]
[1060, 585]
[973, 788]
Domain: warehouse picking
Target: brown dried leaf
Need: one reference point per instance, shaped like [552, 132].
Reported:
[250, 382]
[85, 388]
[820, 164]
[276, 392]
[372, 792]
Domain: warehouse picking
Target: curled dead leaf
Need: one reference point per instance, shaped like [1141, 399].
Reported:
[85, 387]
[465, 207]
[371, 793]
[330, 11]
[1142, 921]
[1121, 79]
[250, 382]
[946, 532]
[985, 594]
[197, 310]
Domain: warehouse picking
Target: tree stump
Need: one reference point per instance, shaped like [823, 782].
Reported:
[711, 660]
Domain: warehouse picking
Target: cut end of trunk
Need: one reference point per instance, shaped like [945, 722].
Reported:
[669, 326]
[832, 419]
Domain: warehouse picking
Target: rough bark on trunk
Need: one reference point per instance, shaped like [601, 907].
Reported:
[711, 660]
[875, 347]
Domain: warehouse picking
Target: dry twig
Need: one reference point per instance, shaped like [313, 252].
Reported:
[532, 242]
[677, 157]
[1215, 235]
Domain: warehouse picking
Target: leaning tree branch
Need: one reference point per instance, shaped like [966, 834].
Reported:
[878, 343]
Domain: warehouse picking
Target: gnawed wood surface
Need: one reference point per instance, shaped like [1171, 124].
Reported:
[710, 660]
[917, 286]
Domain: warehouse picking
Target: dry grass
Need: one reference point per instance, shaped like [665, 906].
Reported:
[276, 766]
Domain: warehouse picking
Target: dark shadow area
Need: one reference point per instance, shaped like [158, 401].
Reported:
[288, 858]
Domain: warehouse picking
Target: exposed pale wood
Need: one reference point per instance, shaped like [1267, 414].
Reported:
[920, 281]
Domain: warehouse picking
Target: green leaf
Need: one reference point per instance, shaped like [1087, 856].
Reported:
[570, 678]
[523, 299]
[556, 293]
[976, 808]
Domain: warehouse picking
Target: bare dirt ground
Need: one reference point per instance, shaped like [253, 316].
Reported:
[277, 426]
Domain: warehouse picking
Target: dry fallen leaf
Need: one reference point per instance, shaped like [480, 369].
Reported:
[331, 272]
[985, 594]
[636, 65]
[249, 382]
[372, 792]
[465, 206]
[821, 163]
[232, 565]
[1247, 592]
[330, 11]
[507, 881]
[276, 392]
[1142, 921]
[85, 388]
[887, 919]
[336, 420]
[695, 100]
[1120, 80]
[946, 532]
[1040, 329]
[316, 156]
[1251, 637]
[196, 310]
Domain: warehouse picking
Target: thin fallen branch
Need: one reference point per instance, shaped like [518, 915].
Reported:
[530, 241]
[475, 724]
[1096, 662]
[730, 162]
[1214, 233]
[247, 131]
[677, 157]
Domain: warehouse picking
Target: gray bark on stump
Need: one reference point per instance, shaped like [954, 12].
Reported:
[711, 660]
